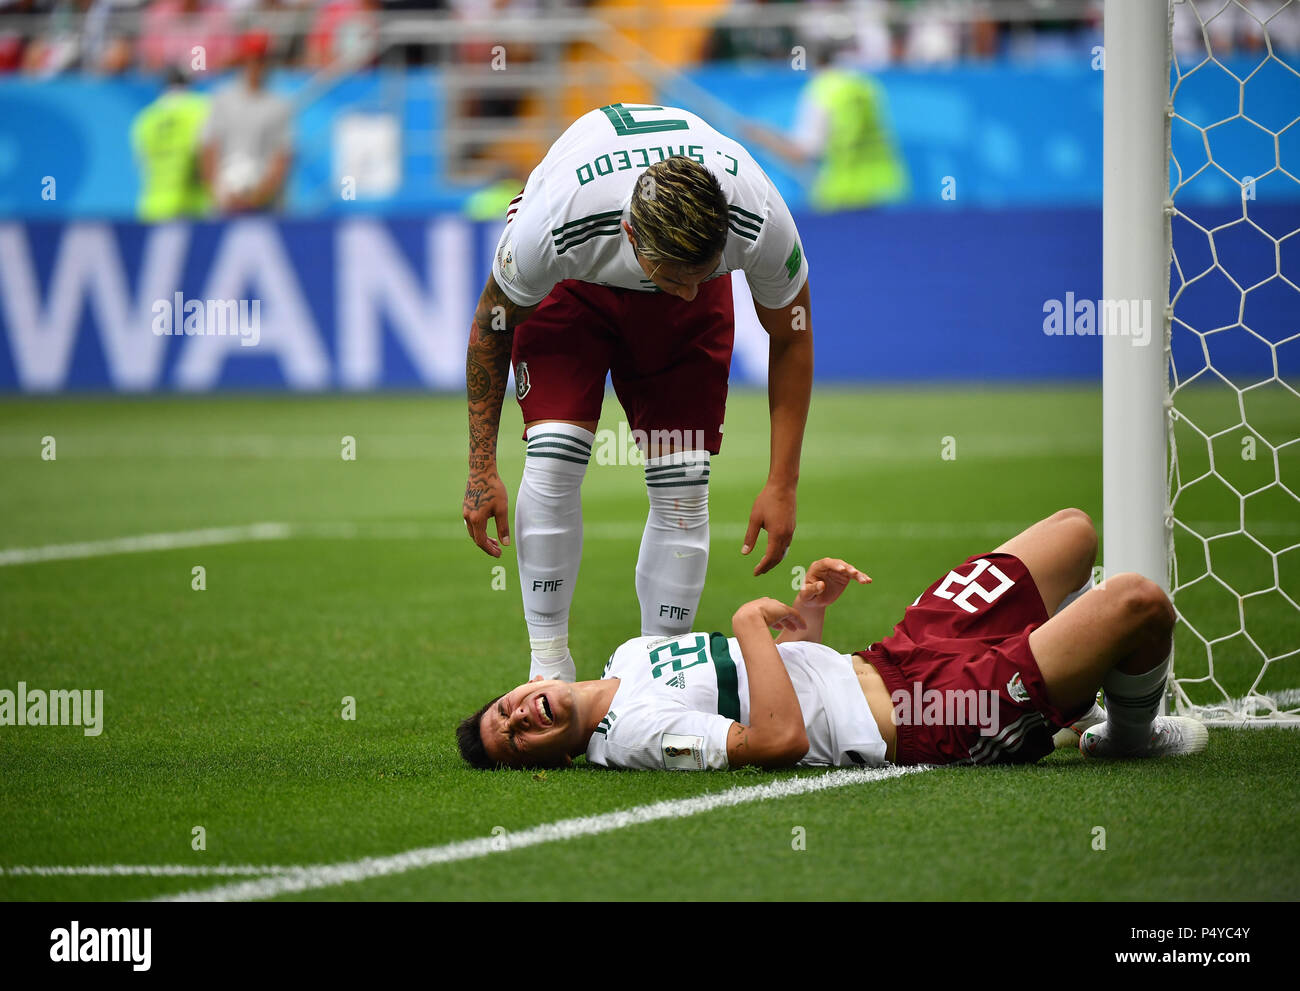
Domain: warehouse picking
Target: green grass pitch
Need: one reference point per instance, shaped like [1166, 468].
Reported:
[223, 706]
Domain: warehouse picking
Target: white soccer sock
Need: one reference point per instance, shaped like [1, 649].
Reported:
[675, 546]
[548, 538]
[1132, 703]
[1078, 593]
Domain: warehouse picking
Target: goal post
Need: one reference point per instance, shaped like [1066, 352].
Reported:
[1135, 270]
[1201, 414]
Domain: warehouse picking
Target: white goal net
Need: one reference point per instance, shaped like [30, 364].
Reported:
[1234, 360]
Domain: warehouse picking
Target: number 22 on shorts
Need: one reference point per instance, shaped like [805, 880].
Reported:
[971, 586]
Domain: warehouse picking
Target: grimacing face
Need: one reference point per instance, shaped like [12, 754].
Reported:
[534, 725]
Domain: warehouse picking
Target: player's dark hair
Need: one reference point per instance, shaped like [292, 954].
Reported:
[679, 213]
[469, 738]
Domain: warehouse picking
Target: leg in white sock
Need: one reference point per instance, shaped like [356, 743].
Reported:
[1132, 704]
[1117, 635]
[1133, 728]
[675, 546]
[548, 535]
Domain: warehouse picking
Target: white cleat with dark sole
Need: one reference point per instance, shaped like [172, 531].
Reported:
[1068, 736]
[1171, 736]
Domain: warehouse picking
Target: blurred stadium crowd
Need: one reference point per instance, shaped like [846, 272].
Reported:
[48, 37]
[407, 92]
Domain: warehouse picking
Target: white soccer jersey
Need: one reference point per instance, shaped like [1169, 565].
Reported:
[567, 222]
[678, 696]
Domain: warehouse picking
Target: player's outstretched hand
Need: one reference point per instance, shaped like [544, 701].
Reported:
[774, 511]
[777, 615]
[826, 580]
[486, 499]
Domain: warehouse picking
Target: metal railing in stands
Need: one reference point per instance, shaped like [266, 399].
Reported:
[435, 38]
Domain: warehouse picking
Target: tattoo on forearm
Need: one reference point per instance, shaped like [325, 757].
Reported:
[487, 366]
[478, 380]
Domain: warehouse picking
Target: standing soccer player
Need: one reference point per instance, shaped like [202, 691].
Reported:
[615, 260]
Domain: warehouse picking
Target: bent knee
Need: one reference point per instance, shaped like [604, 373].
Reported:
[1074, 529]
[1070, 514]
[1142, 601]
[1079, 524]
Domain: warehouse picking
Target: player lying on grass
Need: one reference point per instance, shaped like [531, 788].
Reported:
[989, 662]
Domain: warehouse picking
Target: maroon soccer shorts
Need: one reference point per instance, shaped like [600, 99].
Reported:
[965, 643]
[669, 359]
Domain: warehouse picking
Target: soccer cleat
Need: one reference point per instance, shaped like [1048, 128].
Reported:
[1171, 736]
[1068, 736]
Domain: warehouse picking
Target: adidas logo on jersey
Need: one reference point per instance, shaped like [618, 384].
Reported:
[678, 680]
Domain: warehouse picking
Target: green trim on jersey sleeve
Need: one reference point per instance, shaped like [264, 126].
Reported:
[583, 220]
[582, 230]
[758, 221]
[728, 690]
[744, 223]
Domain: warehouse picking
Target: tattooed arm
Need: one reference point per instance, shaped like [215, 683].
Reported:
[487, 365]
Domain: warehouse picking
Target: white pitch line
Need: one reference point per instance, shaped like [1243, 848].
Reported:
[148, 870]
[330, 875]
[145, 542]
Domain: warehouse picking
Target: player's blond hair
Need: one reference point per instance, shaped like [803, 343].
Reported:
[679, 214]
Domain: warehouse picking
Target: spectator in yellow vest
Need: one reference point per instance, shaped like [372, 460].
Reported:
[166, 137]
[842, 143]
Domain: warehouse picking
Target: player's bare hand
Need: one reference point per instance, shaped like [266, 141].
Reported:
[774, 614]
[486, 499]
[826, 580]
[774, 511]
